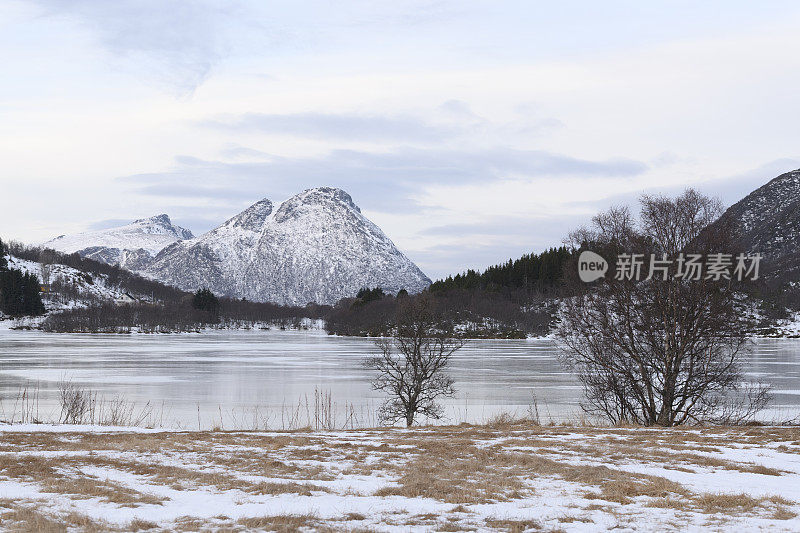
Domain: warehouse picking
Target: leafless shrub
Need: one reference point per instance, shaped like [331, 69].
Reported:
[75, 403]
[321, 412]
[120, 412]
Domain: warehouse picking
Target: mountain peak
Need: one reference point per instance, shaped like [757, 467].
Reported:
[307, 201]
[162, 219]
[326, 194]
[161, 224]
[253, 217]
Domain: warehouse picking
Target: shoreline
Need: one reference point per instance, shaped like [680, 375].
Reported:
[11, 324]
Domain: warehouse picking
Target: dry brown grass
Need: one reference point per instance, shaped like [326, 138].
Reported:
[458, 475]
[726, 503]
[782, 513]
[92, 487]
[467, 474]
[622, 490]
[456, 465]
[280, 523]
[26, 520]
[568, 519]
[62, 475]
[513, 526]
[270, 487]
[141, 525]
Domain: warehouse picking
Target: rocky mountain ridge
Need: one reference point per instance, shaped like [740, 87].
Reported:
[131, 246]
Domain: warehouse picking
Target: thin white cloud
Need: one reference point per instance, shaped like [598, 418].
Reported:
[448, 115]
[330, 126]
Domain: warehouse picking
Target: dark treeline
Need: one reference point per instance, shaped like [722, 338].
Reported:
[472, 313]
[170, 317]
[243, 311]
[177, 316]
[533, 272]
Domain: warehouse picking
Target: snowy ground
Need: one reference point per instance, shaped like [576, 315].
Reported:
[504, 477]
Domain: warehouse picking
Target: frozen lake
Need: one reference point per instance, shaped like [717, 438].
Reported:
[244, 379]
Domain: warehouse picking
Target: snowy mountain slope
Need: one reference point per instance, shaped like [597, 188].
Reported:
[131, 246]
[769, 223]
[314, 247]
[79, 289]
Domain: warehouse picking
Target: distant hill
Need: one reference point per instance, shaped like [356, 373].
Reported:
[768, 222]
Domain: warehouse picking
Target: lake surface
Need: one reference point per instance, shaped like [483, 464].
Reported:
[249, 379]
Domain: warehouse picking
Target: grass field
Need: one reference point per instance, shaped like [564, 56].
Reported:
[504, 476]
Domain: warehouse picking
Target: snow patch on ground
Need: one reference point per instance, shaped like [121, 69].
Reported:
[410, 480]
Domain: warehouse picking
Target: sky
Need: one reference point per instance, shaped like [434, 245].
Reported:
[470, 131]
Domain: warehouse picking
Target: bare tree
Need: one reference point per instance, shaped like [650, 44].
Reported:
[659, 351]
[411, 365]
[47, 270]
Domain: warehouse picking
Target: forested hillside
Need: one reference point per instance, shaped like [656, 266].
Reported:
[84, 295]
[537, 272]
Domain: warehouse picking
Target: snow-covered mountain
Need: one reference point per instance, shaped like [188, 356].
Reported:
[768, 221]
[132, 246]
[314, 247]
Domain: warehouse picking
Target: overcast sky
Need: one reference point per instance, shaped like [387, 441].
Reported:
[471, 132]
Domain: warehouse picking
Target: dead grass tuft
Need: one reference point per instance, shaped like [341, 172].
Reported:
[141, 525]
[726, 503]
[273, 488]
[513, 526]
[624, 490]
[568, 519]
[26, 520]
[782, 513]
[280, 523]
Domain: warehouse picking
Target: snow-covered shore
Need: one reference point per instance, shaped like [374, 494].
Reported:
[480, 478]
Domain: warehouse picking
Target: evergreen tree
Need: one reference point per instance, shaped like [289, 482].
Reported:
[3, 261]
[31, 296]
[204, 300]
[11, 292]
[20, 294]
[369, 295]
